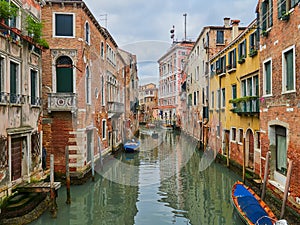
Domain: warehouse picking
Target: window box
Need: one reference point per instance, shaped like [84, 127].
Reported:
[253, 52]
[285, 16]
[265, 33]
[241, 60]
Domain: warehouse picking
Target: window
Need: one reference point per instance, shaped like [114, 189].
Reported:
[284, 6]
[88, 86]
[288, 70]
[34, 87]
[212, 99]
[267, 79]
[102, 50]
[221, 65]
[231, 59]
[257, 143]
[266, 14]
[233, 134]
[218, 99]
[87, 33]
[2, 76]
[195, 98]
[15, 82]
[223, 98]
[253, 44]
[233, 90]
[64, 75]
[220, 37]
[103, 129]
[102, 92]
[64, 25]
[281, 149]
[242, 51]
[241, 137]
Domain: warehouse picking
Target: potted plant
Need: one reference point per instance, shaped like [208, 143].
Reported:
[229, 67]
[265, 33]
[34, 30]
[241, 59]
[252, 52]
[285, 15]
[7, 11]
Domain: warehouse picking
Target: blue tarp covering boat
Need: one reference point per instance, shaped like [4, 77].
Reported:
[132, 146]
[250, 207]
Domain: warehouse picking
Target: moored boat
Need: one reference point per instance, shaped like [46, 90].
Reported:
[251, 208]
[132, 146]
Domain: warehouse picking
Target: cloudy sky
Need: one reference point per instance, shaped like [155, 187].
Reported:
[143, 27]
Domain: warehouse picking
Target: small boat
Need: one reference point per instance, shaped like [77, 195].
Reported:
[132, 146]
[150, 125]
[251, 208]
[154, 135]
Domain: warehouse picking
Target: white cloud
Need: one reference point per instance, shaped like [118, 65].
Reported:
[133, 23]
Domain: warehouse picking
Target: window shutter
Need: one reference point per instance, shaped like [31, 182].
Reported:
[289, 71]
[263, 16]
[271, 13]
[234, 58]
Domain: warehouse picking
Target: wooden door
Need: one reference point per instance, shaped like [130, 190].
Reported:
[16, 158]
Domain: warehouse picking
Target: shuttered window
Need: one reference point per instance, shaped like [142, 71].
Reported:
[64, 26]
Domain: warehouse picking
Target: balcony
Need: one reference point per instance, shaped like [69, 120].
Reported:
[62, 102]
[115, 107]
[247, 105]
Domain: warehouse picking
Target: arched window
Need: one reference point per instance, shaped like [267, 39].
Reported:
[87, 32]
[64, 75]
[88, 86]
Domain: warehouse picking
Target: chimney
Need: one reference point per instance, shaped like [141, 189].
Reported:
[235, 28]
[226, 22]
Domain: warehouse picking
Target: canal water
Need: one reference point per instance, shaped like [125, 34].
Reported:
[168, 182]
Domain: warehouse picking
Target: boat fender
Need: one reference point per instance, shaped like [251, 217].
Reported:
[281, 222]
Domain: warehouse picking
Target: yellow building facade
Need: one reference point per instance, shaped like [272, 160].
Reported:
[234, 100]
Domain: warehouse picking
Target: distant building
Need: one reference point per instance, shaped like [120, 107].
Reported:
[210, 41]
[148, 102]
[169, 88]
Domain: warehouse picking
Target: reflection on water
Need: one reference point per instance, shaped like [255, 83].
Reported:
[162, 184]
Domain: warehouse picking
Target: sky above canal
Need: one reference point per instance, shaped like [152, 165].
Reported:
[143, 27]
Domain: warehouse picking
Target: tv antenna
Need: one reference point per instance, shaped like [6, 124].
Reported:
[103, 17]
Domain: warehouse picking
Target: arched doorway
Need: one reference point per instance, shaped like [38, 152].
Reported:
[249, 147]
[64, 75]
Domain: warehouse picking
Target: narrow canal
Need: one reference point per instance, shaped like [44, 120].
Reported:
[168, 182]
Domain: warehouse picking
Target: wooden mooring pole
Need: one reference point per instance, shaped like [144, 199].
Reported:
[286, 189]
[68, 180]
[244, 161]
[263, 192]
[52, 188]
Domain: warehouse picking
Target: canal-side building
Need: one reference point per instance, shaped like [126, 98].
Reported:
[234, 111]
[280, 91]
[20, 96]
[82, 73]
[148, 102]
[131, 93]
[169, 88]
[211, 40]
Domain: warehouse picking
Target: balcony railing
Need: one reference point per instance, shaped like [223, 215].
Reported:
[115, 107]
[62, 102]
[248, 105]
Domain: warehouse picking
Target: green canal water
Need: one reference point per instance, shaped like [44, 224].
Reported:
[168, 182]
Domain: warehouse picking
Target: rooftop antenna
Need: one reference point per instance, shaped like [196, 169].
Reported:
[184, 26]
[104, 17]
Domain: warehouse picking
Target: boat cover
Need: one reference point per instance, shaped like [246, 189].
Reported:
[251, 207]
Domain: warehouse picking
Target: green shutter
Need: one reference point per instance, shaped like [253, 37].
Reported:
[271, 13]
[268, 77]
[33, 86]
[64, 80]
[264, 16]
[234, 58]
[289, 71]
